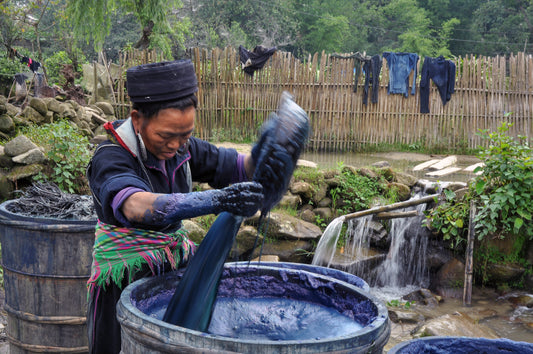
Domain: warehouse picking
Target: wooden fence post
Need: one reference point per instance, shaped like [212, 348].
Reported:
[469, 263]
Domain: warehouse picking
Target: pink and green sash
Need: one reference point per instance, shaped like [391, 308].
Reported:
[118, 250]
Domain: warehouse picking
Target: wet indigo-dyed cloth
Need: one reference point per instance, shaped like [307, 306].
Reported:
[400, 66]
[442, 72]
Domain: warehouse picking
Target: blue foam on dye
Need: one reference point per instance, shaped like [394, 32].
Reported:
[462, 345]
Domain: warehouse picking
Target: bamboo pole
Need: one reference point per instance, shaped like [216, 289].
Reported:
[389, 207]
[396, 215]
[467, 293]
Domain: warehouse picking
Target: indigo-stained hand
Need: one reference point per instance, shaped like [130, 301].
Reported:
[243, 199]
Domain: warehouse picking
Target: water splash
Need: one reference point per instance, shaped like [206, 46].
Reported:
[325, 250]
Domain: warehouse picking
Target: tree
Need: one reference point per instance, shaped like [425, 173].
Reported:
[157, 20]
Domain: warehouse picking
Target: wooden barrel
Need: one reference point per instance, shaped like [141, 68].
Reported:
[46, 266]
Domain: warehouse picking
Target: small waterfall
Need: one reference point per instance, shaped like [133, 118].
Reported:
[404, 267]
[406, 261]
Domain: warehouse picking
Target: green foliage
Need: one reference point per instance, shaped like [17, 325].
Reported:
[10, 66]
[358, 192]
[401, 304]
[505, 187]
[54, 64]
[450, 219]
[68, 154]
[503, 193]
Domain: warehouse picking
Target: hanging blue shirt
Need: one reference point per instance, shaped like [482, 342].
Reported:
[400, 66]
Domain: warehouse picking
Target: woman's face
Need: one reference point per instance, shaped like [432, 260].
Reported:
[164, 134]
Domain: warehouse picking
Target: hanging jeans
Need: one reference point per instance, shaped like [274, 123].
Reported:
[442, 72]
[400, 66]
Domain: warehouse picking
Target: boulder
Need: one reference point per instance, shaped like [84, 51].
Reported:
[34, 116]
[405, 178]
[287, 227]
[39, 105]
[106, 107]
[303, 189]
[30, 157]
[6, 124]
[19, 145]
[457, 324]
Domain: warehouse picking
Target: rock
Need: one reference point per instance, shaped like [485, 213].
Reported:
[7, 187]
[325, 202]
[39, 105]
[305, 163]
[6, 124]
[403, 316]
[267, 258]
[290, 200]
[97, 139]
[454, 325]
[308, 215]
[106, 108]
[423, 297]
[455, 186]
[324, 213]
[303, 189]
[387, 173]
[449, 280]
[196, 232]
[405, 178]
[19, 145]
[403, 191]
[367, 172]
[54, 106]
[12, 110]
[287, 250]
[3, 102]
[6, 161]
[247, 238]
[504, 272]
[319, 194]
[32, 115]
[378, 235]
[380, 164]
[24, 171]
[30, 157]
[287, 227]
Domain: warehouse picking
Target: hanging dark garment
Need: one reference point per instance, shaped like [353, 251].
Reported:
[256, 59]
[372, 68]
[20, 78]
[400, 67]
[32, 64]
[359, 59]
[442, 72]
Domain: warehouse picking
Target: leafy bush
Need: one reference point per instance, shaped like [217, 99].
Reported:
[503, 192]
[10, 66]
[450, 219]
[68, 154]
[505, 187]
[54, 64]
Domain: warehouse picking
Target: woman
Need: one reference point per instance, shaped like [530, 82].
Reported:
[141, 181]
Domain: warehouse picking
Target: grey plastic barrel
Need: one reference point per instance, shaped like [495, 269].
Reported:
[461, 345]
[46, 266]
[143, 333]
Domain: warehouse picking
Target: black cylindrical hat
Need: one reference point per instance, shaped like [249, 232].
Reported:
[162, 81]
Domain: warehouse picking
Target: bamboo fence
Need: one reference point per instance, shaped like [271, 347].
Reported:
[233, 104]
